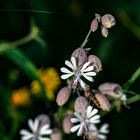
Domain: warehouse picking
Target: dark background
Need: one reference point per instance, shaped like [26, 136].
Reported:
[64, 30]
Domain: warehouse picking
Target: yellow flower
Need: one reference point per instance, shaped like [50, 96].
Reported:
[50, 80]
[20, 97]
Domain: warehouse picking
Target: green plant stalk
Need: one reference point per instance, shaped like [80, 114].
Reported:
[86, 39]
[132, 79]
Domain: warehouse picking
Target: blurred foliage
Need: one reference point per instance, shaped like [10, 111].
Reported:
[61, 29]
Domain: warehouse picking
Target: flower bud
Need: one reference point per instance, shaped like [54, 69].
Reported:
[95, 62]
[67, 124]
[91, 135]
[81, 104]
[104, 31]
[56, 135]
[94, 25]
[63, 96]
[43, 119]
[103, 101]
[80, 55]
[113, 90]
[108, 21]
[87, 91]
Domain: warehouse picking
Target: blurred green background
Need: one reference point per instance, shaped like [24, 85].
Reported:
[62, 29]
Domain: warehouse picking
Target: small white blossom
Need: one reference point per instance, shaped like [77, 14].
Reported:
[77, 72]
[103, 131]
[85, 120]
[38, 133]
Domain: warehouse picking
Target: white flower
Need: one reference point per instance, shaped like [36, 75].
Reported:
[85, 120]
[38, 133]
[102, 131]
[77, 72]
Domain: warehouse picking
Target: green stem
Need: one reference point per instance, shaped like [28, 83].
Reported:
[86, 39]
[132, 79]
[133, 99]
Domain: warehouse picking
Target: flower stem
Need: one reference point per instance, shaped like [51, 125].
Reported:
[132, 79]
[86, 39]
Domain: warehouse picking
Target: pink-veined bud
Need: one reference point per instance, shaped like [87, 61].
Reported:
[80, 55]
[67, 124]
[108, 21]
[56, 135]
[113, 90]
[95, 62]
[94, 25]
[63, 96]
[104, 31]
[43, 119]
[91, 135]
[81, 104]
[103, 101]
[87, 91]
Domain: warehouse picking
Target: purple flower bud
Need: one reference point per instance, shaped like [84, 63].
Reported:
[67, 124]
[63, 96]
[81, 104]
[43, 119]
[56, 135]
[94, 25]
[104, 31]
[108, 21]
[103, 101]
[80, 55]
[95, 62]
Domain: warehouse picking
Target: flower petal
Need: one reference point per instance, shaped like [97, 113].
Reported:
[68, 63]
[44, 130]
[33, 125]
[65, 70]
[104, 128]
[93, 112]
[83, 85]
[89, 109]
[88, 77]
[65, 76]
[74, 120]
[90, 68]
[85, 66]
[75, 128]
[26, 134]
[80, 131]
[73, 60]
[90, 73]
[102, 137]
[95, 119]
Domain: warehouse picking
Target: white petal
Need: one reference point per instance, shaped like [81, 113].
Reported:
[75, 128]
[83, 85]
[78, 116]
[90, 73]
[104, 128]
[33, 125]
[65, 70]
[95, 119]
[26, 134]
[65, 76]
[88, 77]
[74, 120]
[93, 112]
[73, 60]
[89, 109]
[68, 63]
[47, 132]
[102, 137]
[44, 129]
[41, 138]
[80, 131]
[90, 68]
[85, 66]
